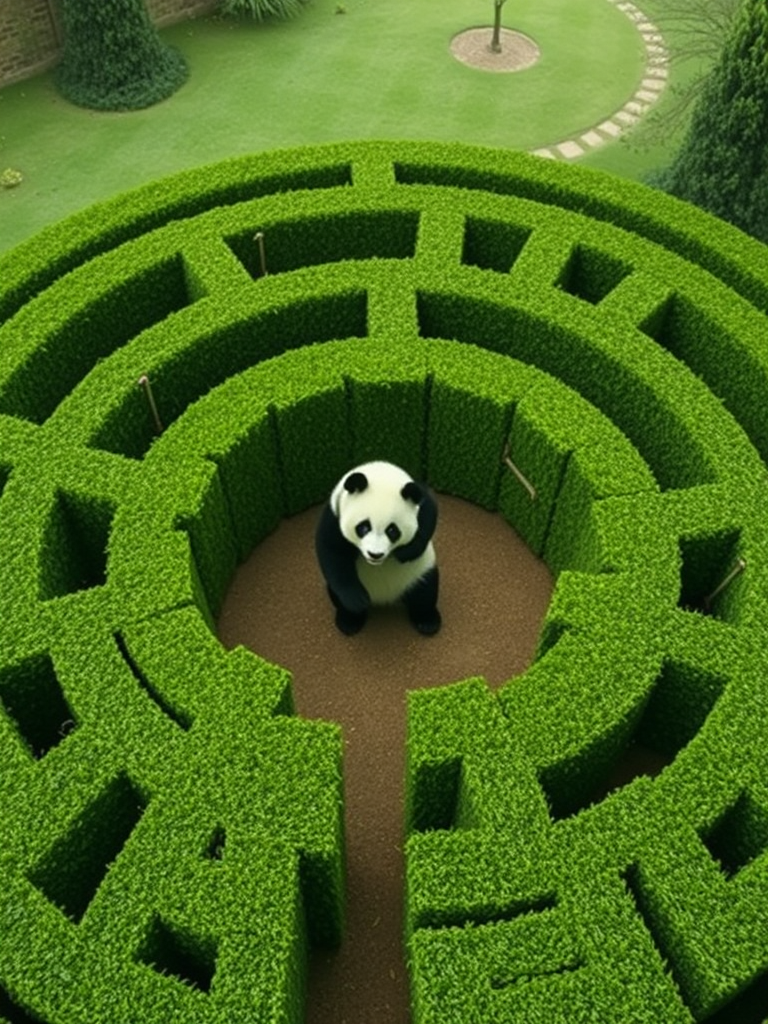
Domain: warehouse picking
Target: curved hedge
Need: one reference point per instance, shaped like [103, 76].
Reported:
[171, 832]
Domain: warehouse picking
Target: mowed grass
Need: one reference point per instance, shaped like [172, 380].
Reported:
[381, 69]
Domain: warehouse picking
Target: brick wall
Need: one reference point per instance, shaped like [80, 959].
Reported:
[29, 38]
[30, 31]
[164, 12]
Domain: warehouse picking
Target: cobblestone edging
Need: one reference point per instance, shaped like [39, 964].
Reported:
[651, 87]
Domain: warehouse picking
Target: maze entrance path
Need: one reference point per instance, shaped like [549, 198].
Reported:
[495, 593]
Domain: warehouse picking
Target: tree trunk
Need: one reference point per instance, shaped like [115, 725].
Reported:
[496, 40]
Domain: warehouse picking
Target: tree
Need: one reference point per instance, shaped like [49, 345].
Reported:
[114, 58]
[722, 164]
[698, 28]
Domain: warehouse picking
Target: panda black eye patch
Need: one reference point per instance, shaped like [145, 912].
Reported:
[393, 532]
[362, 528]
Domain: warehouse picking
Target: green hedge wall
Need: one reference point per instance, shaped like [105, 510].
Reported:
[581, 355]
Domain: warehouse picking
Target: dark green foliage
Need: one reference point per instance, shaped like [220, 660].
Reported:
[590, 274]
[318, 240]
[31, 695]
[726, 364]
[224, 346]
[471, 404]
[308, 409]
[589, 840]
[493, 245]
[388, 393]
[73, 555]
[610, 466]
[187, 958]
[722, 164]
[114, 58]
[263, 10]
[682, 698]
[116, 841]
[71, 873]
[99, 230]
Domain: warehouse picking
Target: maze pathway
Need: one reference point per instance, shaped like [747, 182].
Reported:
[579, 354]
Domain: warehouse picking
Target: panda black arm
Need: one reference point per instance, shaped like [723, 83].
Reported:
[338, 559]
[427, 521]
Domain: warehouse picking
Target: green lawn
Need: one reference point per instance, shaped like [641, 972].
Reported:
[382, 69]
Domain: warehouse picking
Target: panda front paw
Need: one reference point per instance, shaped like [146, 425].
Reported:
[356, 602]
[427, 623]
[351, 610]
[349, 622]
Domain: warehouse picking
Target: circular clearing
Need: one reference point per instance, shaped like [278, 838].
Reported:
[473, 47]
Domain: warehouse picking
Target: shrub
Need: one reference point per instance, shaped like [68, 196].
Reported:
[721, 163]
[113, 57]
[263, 10]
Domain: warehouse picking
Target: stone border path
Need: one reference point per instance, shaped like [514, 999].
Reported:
[651, 87]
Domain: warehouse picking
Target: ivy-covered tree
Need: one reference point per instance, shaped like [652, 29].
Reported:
[114, 58]
[722, 164]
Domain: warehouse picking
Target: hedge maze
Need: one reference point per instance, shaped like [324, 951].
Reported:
[582, 355]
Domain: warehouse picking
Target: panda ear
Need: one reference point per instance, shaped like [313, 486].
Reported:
[356, 482]
[412, 492]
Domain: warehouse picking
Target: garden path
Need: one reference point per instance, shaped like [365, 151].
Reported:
[494, 594]
[518, 52]
[652, 85]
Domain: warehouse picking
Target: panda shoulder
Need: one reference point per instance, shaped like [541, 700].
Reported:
[328, 531]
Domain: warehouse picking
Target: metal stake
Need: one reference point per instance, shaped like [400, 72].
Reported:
[147, 388]
[739, 568]
[518, 474]
[259, 238]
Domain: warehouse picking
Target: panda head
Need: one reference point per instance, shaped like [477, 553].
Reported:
[377, 506]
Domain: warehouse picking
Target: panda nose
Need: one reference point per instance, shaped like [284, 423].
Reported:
[375, 556]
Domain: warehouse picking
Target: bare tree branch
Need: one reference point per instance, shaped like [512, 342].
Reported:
[699, 28]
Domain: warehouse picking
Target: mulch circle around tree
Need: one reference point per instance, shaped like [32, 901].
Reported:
[494, 594]
[473, 47]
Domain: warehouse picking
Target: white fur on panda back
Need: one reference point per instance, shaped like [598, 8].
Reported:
[386, 583]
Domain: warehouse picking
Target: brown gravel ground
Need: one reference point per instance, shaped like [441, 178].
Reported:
[494, 594]
[473, 47]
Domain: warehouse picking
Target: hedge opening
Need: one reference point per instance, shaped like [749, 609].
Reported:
[74, 550]
[32, 696]
[73, 869]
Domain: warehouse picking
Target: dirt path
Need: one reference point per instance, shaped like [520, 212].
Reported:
[494, 594]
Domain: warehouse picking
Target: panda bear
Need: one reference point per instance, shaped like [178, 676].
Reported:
[374, 546]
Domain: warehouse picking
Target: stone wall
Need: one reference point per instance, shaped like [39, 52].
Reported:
[31, 35]
[30, 38]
